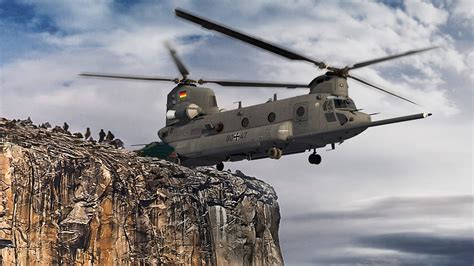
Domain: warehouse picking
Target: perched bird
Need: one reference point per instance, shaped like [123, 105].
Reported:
[45, 125]
[118, 143]
[65, 126]
[57, 129]
[77, 135]
[109, 136]
[101, 136]
[26, 122]
[88, 133]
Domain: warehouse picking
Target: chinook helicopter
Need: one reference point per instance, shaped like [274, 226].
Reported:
[198, 133]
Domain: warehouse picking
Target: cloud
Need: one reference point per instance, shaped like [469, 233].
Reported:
[456, 249]
[390, 230]
[394, 206]
[426, 12]
[464, 9]
[74, 15]
[391, 258]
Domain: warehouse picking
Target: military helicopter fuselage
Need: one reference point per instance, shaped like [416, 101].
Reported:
[288, 126]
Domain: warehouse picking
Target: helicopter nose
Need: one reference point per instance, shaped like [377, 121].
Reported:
[360, 118]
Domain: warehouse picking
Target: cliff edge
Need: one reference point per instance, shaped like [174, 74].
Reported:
[66, 201]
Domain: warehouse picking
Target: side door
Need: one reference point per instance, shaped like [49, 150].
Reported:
[300, 117]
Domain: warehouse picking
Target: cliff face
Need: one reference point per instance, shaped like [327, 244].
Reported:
[65, 201]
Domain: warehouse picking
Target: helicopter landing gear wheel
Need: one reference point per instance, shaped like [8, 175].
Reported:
[314, 158]
[176, 160]
[275, 153]
[280, 153]
[220, 166]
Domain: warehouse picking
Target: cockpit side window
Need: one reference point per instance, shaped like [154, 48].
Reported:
[344, 103]
[339, 103]
[350, 104]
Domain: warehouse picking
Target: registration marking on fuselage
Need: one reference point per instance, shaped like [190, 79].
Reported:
[236, 136]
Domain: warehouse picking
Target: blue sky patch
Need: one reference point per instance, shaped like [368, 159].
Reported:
[25, 16]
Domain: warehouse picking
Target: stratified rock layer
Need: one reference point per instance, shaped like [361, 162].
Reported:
[67, 201]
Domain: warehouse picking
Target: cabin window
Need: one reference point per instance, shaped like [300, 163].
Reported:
[245, 122]
[219, 127]
[300, 111]
[271, 117]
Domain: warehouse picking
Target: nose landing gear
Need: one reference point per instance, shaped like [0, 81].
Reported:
[314, 158]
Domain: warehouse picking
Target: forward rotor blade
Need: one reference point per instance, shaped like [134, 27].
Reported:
[236, 83]
[181, 67]
[378, 88]
[378, 60]
[133, 77]
[245, 38]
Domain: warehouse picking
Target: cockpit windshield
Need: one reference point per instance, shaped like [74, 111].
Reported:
[344, 104]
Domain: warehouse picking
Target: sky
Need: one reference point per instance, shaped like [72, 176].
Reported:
[396, 194]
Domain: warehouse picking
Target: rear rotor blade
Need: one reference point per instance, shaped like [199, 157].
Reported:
[245, 38]
[378, 60]
[133, 77]
[237, 83]
[378, 88]
[181, 67]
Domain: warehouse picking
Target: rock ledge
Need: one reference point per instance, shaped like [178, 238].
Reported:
[67, 201]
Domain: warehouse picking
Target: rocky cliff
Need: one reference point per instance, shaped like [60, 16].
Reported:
[68, 201]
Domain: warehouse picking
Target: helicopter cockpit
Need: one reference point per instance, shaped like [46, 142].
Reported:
[334, 109]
